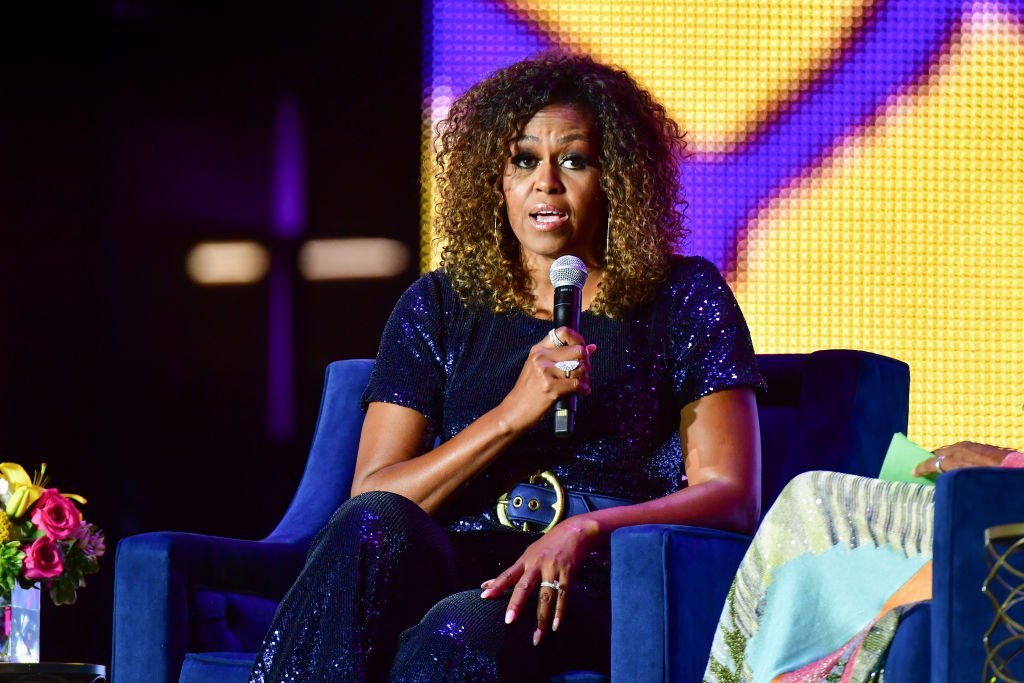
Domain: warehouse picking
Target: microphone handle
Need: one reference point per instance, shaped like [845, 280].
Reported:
[566, 313]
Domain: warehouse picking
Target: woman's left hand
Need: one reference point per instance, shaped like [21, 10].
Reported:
[552, 559]
[961, 454]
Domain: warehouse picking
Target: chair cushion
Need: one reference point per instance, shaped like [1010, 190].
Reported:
[909, 654]
[223, 621]
[217, 667]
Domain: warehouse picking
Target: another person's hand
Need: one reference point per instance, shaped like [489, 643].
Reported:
[541, 382]
[552, 559]
[962, 454]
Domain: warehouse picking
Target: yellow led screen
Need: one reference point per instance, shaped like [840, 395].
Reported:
[857, 169]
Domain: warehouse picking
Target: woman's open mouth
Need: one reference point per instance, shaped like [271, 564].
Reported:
[548, 218]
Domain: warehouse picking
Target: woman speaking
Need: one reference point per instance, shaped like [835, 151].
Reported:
[475, 546]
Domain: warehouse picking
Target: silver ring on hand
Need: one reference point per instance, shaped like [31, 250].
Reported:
[555, 339]
[553, 585]
[567, 366]
[938, 463]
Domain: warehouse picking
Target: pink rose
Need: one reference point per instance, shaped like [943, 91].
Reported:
[42, 560]
[56, 515]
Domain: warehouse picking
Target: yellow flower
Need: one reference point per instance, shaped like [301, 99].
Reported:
[5, 527]
[15, 474]
[24, 492]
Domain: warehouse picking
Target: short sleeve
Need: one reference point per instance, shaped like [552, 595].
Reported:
[709, 341]
[409, 370]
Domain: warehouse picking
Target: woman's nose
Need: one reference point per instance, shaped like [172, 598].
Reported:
[549, 180]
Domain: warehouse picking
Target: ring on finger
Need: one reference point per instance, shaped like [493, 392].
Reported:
[938, 463]
[556, 341]
[567, 366]
[554, 585]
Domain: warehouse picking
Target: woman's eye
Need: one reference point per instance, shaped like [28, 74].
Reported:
[574, 162]
[524, 161]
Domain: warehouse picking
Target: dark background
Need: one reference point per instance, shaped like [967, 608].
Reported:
[131, 131]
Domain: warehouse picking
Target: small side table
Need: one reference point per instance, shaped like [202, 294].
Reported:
[52, 672]
[1004, 587]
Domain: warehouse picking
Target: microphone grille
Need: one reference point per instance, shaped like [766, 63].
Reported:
[568, 270]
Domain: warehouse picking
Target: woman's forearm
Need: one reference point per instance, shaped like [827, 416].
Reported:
[431, 478]
[716, 503]
[720, 435]
[391, 452]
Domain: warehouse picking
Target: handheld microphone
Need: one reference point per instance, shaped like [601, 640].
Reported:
[568, 274]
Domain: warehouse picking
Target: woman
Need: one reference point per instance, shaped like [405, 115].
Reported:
[546, 158]
[836, 562]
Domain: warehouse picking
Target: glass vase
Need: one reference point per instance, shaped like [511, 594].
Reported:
[19, 628]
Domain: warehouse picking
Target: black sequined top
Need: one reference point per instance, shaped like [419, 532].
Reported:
[453, 363]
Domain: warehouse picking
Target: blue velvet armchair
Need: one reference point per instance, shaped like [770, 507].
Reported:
[194, 608]
[666, 620]
[665, 612]
[828, 410]
[941, 641]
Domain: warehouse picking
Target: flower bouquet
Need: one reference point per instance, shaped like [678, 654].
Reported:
[44, 542]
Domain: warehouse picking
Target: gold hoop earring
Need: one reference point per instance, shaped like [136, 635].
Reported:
[497, 233]
[607, 236]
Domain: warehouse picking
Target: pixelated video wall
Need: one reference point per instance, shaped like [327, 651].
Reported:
[857, 169]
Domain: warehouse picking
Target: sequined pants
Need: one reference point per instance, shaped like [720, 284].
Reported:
[386, 594]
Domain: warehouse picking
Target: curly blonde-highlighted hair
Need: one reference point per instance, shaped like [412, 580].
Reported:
[640, 151]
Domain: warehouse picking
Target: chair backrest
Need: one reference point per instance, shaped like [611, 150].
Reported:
[826, 410]
[327, 479]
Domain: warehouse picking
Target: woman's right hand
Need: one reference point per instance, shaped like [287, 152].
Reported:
[541, 383]
[392, 456]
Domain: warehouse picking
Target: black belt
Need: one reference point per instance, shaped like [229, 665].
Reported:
[530, 503]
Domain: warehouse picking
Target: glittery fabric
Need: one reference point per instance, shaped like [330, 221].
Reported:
[386, 594]
[453, 364]
[383, 568]
[820, 512]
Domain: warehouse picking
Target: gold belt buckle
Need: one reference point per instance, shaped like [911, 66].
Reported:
[534, 504]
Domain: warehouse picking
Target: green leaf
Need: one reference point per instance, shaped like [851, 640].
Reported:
[63, 591]
[11, 560]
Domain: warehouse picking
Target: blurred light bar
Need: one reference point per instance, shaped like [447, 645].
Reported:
[352, 258]
[227, 263]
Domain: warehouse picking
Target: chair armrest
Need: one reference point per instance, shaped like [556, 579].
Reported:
[668, 584]
[154, 576]
[967, 501]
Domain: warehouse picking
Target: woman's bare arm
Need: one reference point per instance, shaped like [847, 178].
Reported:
[391, 443]
[721, 438]
[393, 436]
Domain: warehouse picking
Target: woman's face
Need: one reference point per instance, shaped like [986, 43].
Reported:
[552, 187]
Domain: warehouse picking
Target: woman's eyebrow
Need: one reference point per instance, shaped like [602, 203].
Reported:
[574, 136]
[565, 138]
